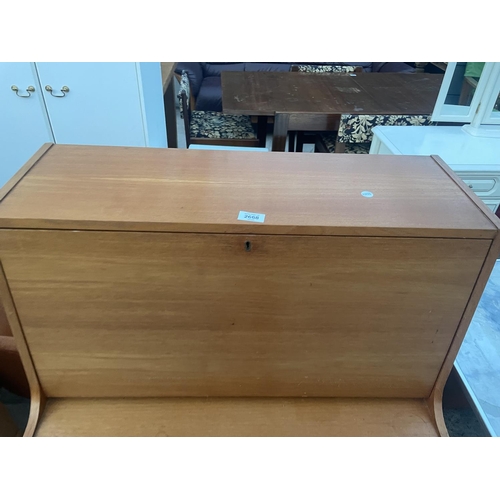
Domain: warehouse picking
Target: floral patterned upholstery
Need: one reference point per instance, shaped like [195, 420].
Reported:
[185, 89]
[355, 131]
[212, 124]
[313, 68]
[215, 125]
[358, 128]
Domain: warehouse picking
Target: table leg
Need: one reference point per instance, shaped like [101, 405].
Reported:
[262, 130]
[339, 147]
[280, 131]
[171, 114]
[420, 67]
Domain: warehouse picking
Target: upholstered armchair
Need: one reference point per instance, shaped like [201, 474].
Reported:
[212, 127]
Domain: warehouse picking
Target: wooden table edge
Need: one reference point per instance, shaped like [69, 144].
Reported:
[18, 176]
[167, 72]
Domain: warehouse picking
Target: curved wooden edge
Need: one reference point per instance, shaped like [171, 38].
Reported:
[37, 398]
[435, 404]
[435, 400]
[466, 319]
[14, 180]
[37, 404]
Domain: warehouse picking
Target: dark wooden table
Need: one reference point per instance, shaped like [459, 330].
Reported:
[169, 99]
[266, 93]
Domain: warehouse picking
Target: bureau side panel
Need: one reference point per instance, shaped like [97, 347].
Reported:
[110, 314]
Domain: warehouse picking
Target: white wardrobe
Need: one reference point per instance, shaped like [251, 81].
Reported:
[113, 104]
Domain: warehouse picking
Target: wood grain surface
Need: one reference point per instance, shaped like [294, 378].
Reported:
[145, 189]
[167, 72]
[236, 417]
[169, 101]
[435, 401]
[18, 176]
[150, 314]
[148, 294]
[266, 93]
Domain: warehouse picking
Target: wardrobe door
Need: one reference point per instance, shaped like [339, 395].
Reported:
[24, 124]
[93, 103]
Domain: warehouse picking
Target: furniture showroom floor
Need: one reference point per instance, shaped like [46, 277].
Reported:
[479, 356]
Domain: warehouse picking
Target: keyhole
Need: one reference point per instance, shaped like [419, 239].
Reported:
[248, 246]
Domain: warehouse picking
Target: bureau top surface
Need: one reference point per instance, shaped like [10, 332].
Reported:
[145, 189]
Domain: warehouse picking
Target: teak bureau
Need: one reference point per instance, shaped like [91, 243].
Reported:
[142, 306]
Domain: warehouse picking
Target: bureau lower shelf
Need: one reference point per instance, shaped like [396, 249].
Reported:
[236, 417]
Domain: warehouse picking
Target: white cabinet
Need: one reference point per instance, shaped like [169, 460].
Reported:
[24, 124]
[479, 100]
[114, 104]
[476, 160]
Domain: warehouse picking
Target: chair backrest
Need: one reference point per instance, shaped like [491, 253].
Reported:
[304, 122]
[184, 95]
[358, 128]
[318, 68]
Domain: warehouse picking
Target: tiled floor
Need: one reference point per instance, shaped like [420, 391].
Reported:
[479, 356]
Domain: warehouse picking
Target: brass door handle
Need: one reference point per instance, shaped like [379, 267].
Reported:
[30, 89]
[64, 91]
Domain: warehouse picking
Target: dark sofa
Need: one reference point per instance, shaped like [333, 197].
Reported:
[205, 78]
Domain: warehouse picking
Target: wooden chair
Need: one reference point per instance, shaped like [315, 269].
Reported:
[355, 132]
[286, 124]
[212, 127]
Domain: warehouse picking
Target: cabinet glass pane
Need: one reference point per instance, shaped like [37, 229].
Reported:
[461, 91]
[496, 106]
[491, 99]
[462, 86]
[494, 116]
